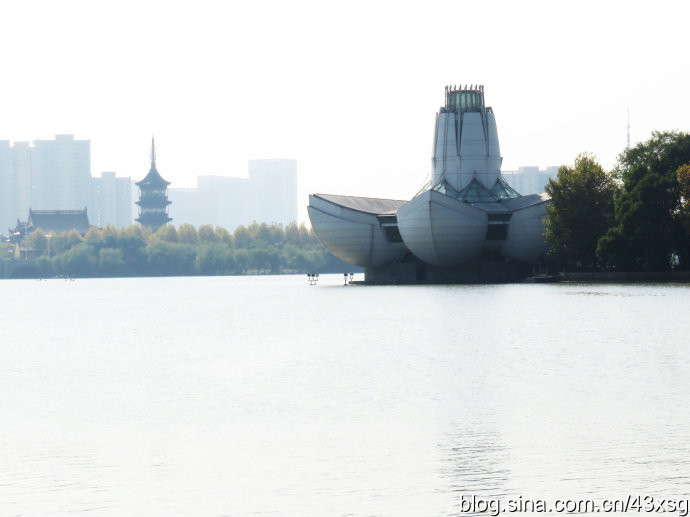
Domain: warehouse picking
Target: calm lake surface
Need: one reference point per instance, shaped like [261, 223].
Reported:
[265, 396]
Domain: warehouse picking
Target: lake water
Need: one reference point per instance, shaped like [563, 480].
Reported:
[247, 396]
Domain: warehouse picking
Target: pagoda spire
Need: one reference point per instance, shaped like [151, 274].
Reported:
[153, 196]
[153, 153]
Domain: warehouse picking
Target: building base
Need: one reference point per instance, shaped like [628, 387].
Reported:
[486, 268]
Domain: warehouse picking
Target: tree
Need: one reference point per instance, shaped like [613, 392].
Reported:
[110, 231]
[38, 241]
[61, 242]
[581, 209]
[242, 260]
[222, 235]
[206, 234]
[648, 228]
[186, 234]
[241, 238]
[215, 259]
[138, 231]
[111, 261]
[44, 266]
[264, 260]
[292, 233]
[80, 260]
[135, 251]
[133, 254]
[6, 251]
[683, 177]
[168, 258]
[93, 235]
[166, 233]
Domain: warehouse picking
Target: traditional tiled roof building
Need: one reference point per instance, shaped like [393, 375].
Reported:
[58, 221]
[51, 222]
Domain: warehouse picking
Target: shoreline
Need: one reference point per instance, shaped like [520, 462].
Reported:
[619, 277]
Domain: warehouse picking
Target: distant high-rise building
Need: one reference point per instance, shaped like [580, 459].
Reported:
[55, 175]
[530, 180]
[192, 206]
[217, 200]
[21, 171]
[229, 199]
[112, 201]
[60, 174]
[15, 182]
[269, 195]
[153, 197]
[6, 187]
[273, 185]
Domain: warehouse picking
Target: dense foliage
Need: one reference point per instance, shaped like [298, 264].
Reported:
[638, 222]
[581, 209]
[134, 251]
[650, 231]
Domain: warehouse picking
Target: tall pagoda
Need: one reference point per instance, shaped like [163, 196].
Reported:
[153, 197]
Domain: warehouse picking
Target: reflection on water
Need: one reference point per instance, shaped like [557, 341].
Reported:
[250, 396]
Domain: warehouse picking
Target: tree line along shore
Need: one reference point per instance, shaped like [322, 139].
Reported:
[187, 250]
[633, 218]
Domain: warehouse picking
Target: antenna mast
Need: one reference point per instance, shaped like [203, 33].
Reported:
[628, 144]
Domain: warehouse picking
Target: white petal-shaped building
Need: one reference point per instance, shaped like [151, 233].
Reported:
[467, 224]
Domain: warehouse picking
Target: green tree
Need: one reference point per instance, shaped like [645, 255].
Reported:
[222, 235]
[6, 251]
[242, 260]
[133, 254]
[581, 209]
[38, 241]
[292, 234]
[80, 260]
[44, 265]
[683, 175]
[241, 238]
[260, 233]
[206, 234]
[111, 261]
[61, 242]
[135, 251]
[169, 258]
[110, 231]
[186, 234]
[138, 231]
[648, 228]
[264, 260]
[166, 233]
[215, 259]
[93, 235]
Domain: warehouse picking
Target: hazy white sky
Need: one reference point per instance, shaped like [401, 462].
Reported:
[349, 89]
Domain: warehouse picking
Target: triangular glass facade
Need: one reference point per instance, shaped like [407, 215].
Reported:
[475, 192]
[502, 190]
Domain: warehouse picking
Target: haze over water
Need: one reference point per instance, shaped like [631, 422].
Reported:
[213, 396]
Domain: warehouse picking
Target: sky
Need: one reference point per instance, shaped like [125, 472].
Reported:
[348, 89]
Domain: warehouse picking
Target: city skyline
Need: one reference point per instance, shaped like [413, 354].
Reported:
[271, 80]
[57, 175]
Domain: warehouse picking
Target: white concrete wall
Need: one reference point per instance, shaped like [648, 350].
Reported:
[440, 230]
[525, 239]
[353, 236]
[478, 154]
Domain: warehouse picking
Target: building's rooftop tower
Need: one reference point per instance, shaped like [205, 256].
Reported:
[465, 140]
[153, 198]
